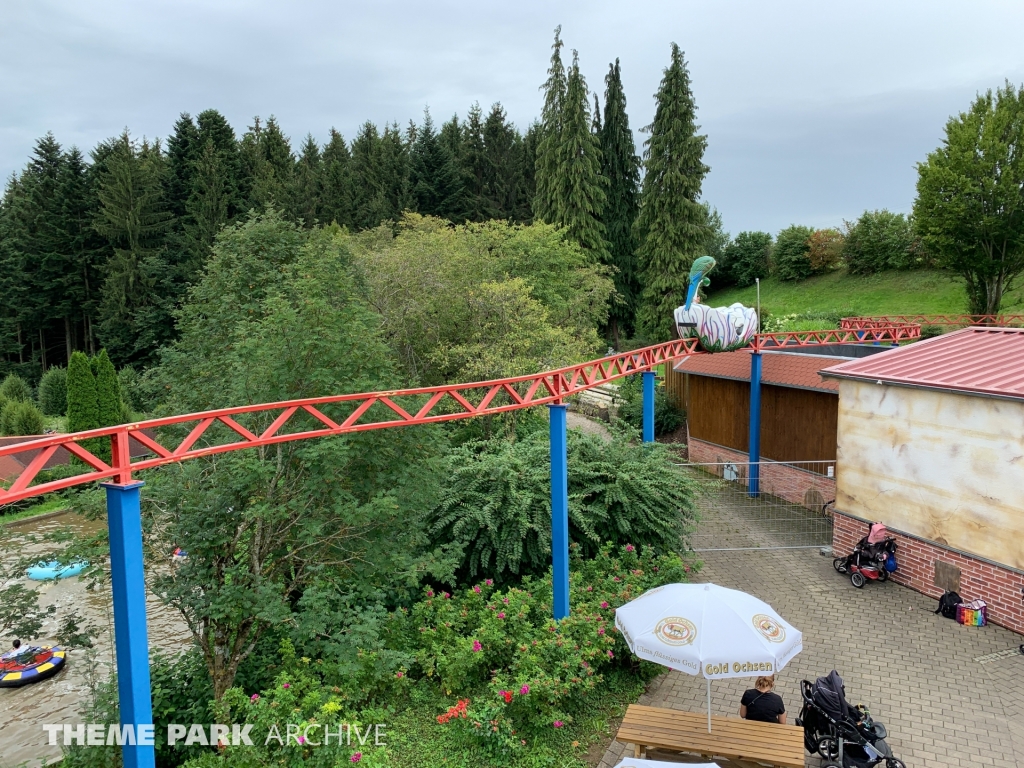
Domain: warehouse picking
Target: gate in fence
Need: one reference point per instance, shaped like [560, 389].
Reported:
[791, 511]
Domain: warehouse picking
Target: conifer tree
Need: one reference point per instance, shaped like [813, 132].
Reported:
[671, 226]
[207, 208]
[182, 150]
[475, 167]
[83, 402]
[214, 127]
[504, 184]
[84, 249]
[621, 167]
[579, 187]
[395, 187]
[336, 178]
[307, 183]
[108, 393]
[436, 183]
[369, 206]
[545, 203]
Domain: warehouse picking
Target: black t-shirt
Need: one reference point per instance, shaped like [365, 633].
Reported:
[765, 707]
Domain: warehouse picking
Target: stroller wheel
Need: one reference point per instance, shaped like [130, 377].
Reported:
[828, 748]
[883, 575]
[892, 762]
[839, 564]
[857, 579]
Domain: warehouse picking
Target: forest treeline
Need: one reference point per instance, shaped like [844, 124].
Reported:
[98, 251]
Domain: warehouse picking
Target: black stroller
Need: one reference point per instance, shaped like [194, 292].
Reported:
[844, 736]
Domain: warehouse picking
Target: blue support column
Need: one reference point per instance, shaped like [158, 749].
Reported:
[649, 381]
[124, 520]
[559, 511]
[754, 440]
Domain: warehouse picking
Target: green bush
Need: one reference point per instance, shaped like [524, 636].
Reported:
[747, 258]
[880, 240]
[20, 418]
[53, 392]
[16, 388]
[496, 503]
[791, 258]
[667, 417]
[130, 383]
[520, 670]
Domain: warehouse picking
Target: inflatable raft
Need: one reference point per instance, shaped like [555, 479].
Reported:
[54, 570]
[32, 665]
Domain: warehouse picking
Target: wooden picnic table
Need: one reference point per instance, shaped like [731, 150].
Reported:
[745, 742]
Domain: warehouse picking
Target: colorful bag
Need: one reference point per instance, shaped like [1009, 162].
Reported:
[972, 614]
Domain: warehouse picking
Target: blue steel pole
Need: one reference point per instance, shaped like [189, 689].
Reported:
[559, 511]
[754, 441]
[124, 520]
[648, 378]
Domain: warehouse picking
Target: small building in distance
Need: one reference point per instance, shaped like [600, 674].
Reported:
[931, 443]
[799, 411]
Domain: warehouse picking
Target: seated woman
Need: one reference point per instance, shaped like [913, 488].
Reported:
[760, 703]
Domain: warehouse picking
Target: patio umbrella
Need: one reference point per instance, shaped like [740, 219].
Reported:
[636, 762]
[704, 629]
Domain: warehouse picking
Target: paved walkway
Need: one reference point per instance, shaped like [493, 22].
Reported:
[917, 672]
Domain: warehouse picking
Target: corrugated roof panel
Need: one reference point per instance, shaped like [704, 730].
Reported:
[778, 368]
[983, 360]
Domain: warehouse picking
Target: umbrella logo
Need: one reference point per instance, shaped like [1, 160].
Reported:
[769, 627]
[675, 630]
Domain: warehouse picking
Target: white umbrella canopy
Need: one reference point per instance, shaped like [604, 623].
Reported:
[708, 630]
[636, 762]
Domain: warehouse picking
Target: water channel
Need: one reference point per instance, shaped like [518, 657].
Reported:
[24, 711]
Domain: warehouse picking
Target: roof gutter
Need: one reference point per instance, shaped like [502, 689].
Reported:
[926, 387]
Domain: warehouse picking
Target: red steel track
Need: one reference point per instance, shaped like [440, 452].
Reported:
[374, 410]
[886, 321]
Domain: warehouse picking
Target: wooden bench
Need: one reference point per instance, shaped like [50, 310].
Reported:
[745, 742]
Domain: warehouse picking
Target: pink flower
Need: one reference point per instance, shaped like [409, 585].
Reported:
[558, 723]
[611, 655]
[600, 631]
[501, 615]
[356, 757]
[630, 547]
[399, 675]
[287, 685]
[477, 647]
[507, 696]
[477, 589]
[604, 603]
[430, 593]
[254, 698]
[489, 582]
[616, 578]
[301, 739]
[445, 595]
[505, 601]
[590, 589]
[524, 690]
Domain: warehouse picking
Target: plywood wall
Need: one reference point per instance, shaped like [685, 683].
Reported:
[943, 466]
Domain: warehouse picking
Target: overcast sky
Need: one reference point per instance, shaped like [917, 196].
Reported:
[814, 111]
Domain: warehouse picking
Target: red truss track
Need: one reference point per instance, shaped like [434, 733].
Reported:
[177, 438]
[889, 321]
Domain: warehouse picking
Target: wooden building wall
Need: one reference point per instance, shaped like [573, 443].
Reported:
[796, 424]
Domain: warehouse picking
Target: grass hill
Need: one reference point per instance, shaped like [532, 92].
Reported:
[888, 293]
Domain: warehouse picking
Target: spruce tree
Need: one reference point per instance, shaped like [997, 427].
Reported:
[207, 208]
[182, 150]
[306, 191]
[108, 393]
[336, 177]
[671, 226]
[214, 127]
[395, 151]
[579, 187]
[546, 195]
[369, 205]
[504, 185]
[475, 167]
[83, 402]
[436, 183]
[621, 167]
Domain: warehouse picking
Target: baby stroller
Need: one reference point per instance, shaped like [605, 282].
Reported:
[874, 558]
[844, 736]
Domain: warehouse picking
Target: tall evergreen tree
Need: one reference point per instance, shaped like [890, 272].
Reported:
[504, 185]
[545, 203]
[214, 127]
[369, 205]
[528, 159]
[671, 227]
[306, 191]
[140, 290]
[183, 148]
[108, 393]
[267, 166]
[621, 167]
[395, 151]
[206, 209]
[475, 167]
[336, 177]
[579, 187]
[436, 180]
[83, 403]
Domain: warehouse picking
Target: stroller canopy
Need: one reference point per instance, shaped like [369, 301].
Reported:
[830, 694]
[876, 533]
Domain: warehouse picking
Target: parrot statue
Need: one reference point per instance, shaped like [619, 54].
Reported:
[698, 277]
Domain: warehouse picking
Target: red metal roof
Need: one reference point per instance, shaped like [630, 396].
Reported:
[799, 371]
[986, 361]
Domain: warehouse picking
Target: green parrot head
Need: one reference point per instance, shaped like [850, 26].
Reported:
[698, 277]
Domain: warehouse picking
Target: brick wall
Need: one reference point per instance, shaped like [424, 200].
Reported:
[811, 489]
[999, 587]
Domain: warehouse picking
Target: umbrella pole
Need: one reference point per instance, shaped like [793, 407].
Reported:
[709, 703]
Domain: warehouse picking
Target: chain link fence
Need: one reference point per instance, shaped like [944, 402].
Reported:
[791, 511]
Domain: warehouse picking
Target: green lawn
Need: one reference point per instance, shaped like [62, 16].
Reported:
[889, 293]
[52, 504]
